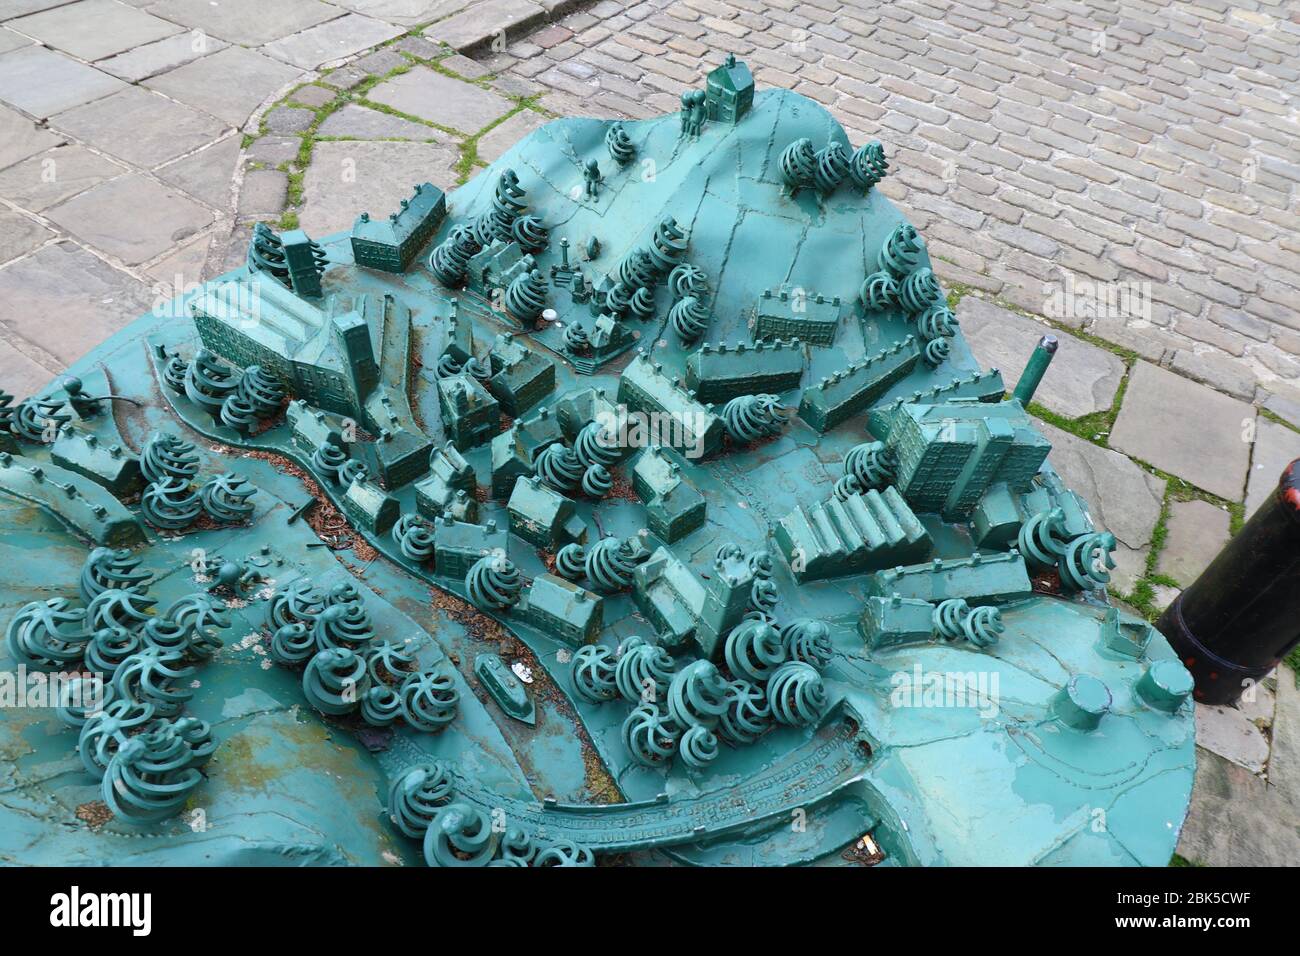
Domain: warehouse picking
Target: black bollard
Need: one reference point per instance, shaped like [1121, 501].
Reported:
[1242, 615]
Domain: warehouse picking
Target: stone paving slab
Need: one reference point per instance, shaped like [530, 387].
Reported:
[343, 78]
[486, 20]
[359, 122]
[20, 138]
[1285, 404]
[263, 195]
[289, 119]
[333, 40]
[206, 84]
[1125, 499]
[235, 253]
[462, 66]
[151, 59]
[94, 29]
[206, 174]
[1259, 701]
[80, 300]
[1162, 595]
[182, 270]
[247, 22]
[20, 8]
[1196, 532]
[408, 13]
[160, 217]
[41, 82]
[1284, 759]
[514, 85]
[140, 127]
[19, 234]
[1236, 819]
[380, 62]
[12, 41]
[1232, 735]
[50, 177]
[1217, 371]
[1276, 446]
[441, 100]
[274, 150]
[1186, 429]
[22, 375]
[348, 178]
[313, 96]
[1082, 378]
[493, 144]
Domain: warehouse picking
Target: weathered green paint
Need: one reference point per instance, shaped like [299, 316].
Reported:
[697, 683]
[1035, 369]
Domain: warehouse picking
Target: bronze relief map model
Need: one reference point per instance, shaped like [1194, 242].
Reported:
[638, 501]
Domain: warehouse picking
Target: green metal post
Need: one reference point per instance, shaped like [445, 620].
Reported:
[1035, 370]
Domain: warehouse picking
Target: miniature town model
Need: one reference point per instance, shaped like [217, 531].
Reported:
[581, 515]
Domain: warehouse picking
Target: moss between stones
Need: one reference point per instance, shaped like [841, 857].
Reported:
[466, 145]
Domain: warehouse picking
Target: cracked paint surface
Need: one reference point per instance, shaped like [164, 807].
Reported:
[933, 784]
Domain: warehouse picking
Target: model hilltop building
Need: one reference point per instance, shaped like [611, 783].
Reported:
[729, 91]
[613, 504]
[809, 317]
[322, 351]
[721, 373]
[389, 244]
[948, 455]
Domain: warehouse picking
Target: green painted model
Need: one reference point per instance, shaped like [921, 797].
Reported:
[639, 500]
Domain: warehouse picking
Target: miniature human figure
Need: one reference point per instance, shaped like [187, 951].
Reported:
[234, 576]
[698, 113]
[591, 174]
[686, 112]
[83, 405]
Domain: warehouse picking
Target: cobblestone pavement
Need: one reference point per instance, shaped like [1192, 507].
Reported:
[1150, 149]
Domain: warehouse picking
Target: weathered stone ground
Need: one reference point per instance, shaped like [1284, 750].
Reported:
[1122, 174]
